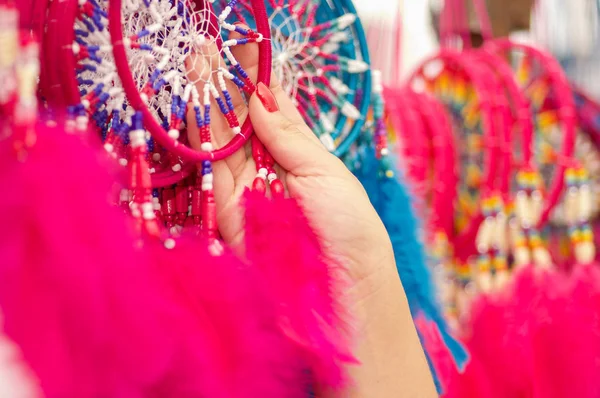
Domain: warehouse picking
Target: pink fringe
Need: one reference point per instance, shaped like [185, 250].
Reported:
[567, 340]
[249, 357]
[538, 339]
[305, 284]
[92, 315]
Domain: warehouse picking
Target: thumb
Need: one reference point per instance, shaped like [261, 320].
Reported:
[291, 142]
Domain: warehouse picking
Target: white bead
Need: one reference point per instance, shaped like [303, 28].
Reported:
[339, 86]
[230, 43]
[327, 123]
[357, 66]
[206, 146]
[327, 141]
[377, 81]
[207, 178]
[187, 92]
[155, 27]
[169, 244]
[346, 20]
[350, 111]
[176, 167]
[174, 134]
[169, 75]
[109, 147]
[271, 177]
[123, 162]
[207, 187]
[137, 138]
[135, 211]
[385, 151]
[262, 172]
[81, 122]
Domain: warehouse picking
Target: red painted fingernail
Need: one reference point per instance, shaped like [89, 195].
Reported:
[267, 98]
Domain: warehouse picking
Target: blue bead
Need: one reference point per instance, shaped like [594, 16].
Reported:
[222, 106]
[154, 75]
[143, 33]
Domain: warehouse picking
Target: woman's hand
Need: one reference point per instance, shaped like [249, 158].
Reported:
[338, 209]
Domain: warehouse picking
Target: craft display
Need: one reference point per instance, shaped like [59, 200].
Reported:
[153, 249]
[119, 274]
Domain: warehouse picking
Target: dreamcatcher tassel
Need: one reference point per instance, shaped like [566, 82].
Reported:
[245, 352]
[280, 242]
[392, 201]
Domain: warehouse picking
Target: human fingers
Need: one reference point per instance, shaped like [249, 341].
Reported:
[291, 143]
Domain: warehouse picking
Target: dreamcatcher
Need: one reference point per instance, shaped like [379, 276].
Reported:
[320, 58]
[155, 87]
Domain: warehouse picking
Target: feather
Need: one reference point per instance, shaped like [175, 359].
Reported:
[306, 285]
[68, 274]
[250, 356]
[567, 337]
[498, 338]
[89, 312]
[392, 201]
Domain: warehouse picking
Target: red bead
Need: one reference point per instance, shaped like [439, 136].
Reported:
[259, 185]
[277, 189]
[181, 199]
[209, 213]
[168, 201]
[269, 161]
[196, 202]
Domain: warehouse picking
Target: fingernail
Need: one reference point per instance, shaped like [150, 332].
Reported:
[267, 98]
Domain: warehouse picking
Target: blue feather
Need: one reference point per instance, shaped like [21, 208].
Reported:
[392, 201]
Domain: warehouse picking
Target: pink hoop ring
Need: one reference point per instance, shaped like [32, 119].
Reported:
[566, 112]
[464, 242]
[445, 178]
[135, 99]
[72, 97]
[412, 145]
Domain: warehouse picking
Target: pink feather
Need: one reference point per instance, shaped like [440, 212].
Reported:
[567, 339]
[305, 284]
[499, 334]
[88, 312]
[249, 355]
